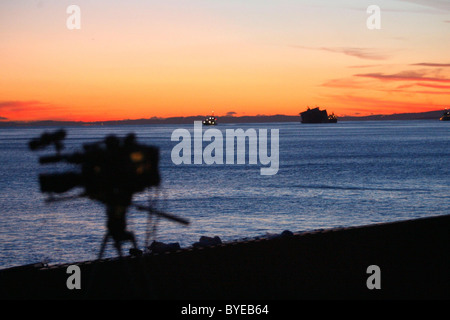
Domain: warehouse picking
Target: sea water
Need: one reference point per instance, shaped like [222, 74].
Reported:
[330, 175]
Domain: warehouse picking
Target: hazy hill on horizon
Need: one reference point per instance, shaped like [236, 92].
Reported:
[429, 115]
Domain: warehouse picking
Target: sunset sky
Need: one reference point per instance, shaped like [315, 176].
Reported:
[141, 59]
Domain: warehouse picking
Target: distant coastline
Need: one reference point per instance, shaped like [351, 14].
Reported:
[430, 115]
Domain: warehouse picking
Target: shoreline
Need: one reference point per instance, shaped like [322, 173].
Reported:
[413, 257]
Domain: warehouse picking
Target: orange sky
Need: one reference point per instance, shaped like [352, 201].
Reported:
[139, 59]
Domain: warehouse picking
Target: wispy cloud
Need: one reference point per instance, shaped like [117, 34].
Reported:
[362, 53]
[403, 76]
[364, 66]
[366, 105]
[428, 64]
[440, 89]
[433, 92]
[435, 86]
[23, 105]
[427, 92]
[408, 88]
[349, 83]
[437, 4]
[29, 109]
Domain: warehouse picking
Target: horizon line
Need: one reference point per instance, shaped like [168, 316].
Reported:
[229, 117]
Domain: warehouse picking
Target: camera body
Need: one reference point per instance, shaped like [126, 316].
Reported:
[110, 171]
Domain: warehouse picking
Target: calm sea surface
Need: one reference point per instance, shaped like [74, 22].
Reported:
[330, 175]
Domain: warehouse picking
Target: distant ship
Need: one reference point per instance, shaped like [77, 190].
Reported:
[210, 121]
[445, 116]
[317, 116]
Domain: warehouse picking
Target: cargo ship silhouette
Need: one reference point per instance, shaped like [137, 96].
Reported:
[316, 115]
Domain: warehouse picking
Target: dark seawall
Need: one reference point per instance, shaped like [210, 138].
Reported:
[413, 257]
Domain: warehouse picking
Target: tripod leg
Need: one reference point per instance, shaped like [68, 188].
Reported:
[118, 246]
[133, 240]
[102, 248]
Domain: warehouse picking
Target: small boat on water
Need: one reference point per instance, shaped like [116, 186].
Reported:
[445, 116]
[210, 121]
[316, 115]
